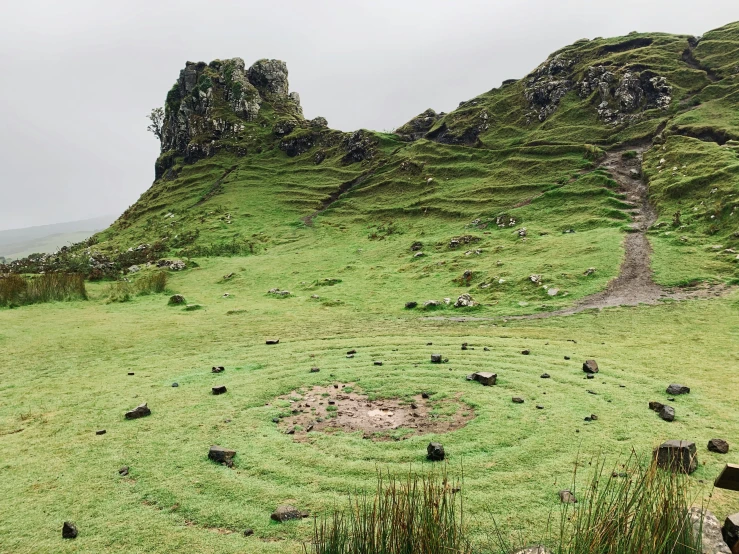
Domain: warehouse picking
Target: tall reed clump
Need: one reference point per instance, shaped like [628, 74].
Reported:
[16, 290]
[152, 283]
[638, 509]
[415, 515]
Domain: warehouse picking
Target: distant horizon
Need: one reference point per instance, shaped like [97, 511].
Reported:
[112, 217]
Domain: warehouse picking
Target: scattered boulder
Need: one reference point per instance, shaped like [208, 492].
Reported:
[483, 377]
[464, 301]
[545, 376]
[435, 452]
[674, 389]
[248, 532]
[176, 300]
[351, 352]
[377, 362]
[123, 471]
[656, 406]
[410, 305]
[175, 385]
[590, 366]
[416, 246]
[221, 455]
[517, 400]
[720, 446]
[272, 341]
[69, 530]
[100, 432]
[218, 369]
[667, 413]
[730, 531]
[286, 513]
[436, 358]
[220, 389]
[526, 352]
[315, 370]
[567, 497]
[139, 411]
[707, 529]
[677, 455]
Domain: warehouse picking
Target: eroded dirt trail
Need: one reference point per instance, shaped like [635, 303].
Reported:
[634, 284]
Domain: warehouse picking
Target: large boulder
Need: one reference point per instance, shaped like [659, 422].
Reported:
[707, 529]
[590, 366]
[677, 455]
[667, 413]
[483, 377]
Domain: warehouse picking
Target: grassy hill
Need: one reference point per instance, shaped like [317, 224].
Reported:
[589, 211]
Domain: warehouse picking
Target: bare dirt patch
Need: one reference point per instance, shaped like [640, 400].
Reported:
[333, 409]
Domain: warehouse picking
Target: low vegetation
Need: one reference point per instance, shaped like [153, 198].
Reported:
[17, 290]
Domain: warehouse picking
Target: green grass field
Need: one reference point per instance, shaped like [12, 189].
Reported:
[64, 375]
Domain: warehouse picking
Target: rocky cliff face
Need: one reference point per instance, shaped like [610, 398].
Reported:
[213, 102]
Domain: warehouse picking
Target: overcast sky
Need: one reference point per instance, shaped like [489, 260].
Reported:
[79, 77]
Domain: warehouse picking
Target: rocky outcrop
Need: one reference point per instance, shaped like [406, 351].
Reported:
[214, 101]
[622, 93]
[417, 127]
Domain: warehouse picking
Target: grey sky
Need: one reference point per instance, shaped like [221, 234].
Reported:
[80, 76]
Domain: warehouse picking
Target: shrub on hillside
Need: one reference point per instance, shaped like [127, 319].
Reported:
[16, 290]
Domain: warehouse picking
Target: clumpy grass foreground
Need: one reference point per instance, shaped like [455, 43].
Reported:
[16, 290]
[636, 509]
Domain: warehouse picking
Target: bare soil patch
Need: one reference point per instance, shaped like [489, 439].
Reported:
[333, 409]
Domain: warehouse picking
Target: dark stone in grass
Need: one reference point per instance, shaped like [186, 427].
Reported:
[410, 305]
[377, 362]
[416, 246]
[221, 455]
[590, 366]
[175, 385]
[545, 376]
[588, 418]
[590, 376]
[275, 420]
[315, 370]
[272, 341]
[123, 471]
[567, 357]
[566, 497]
[464, 346]
[677, 389]
[517, 400]
[677, 455]
[436, 358]
[526, 352]
[484, 378]
[425, 395]
[435, 452]
[539, 407]
[351, 352]
[69, 530]
[287, 513]
[139, 411]
[100, 432]
[131, 373]
[593, 417]
[248, 532]
[667, 413]
[176, 300]
[486, 349]
[656, 406]
[220, 389]
[218, 369]
[720, 446]
[730, 531]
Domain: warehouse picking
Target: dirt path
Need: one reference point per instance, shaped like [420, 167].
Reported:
[634, 284]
